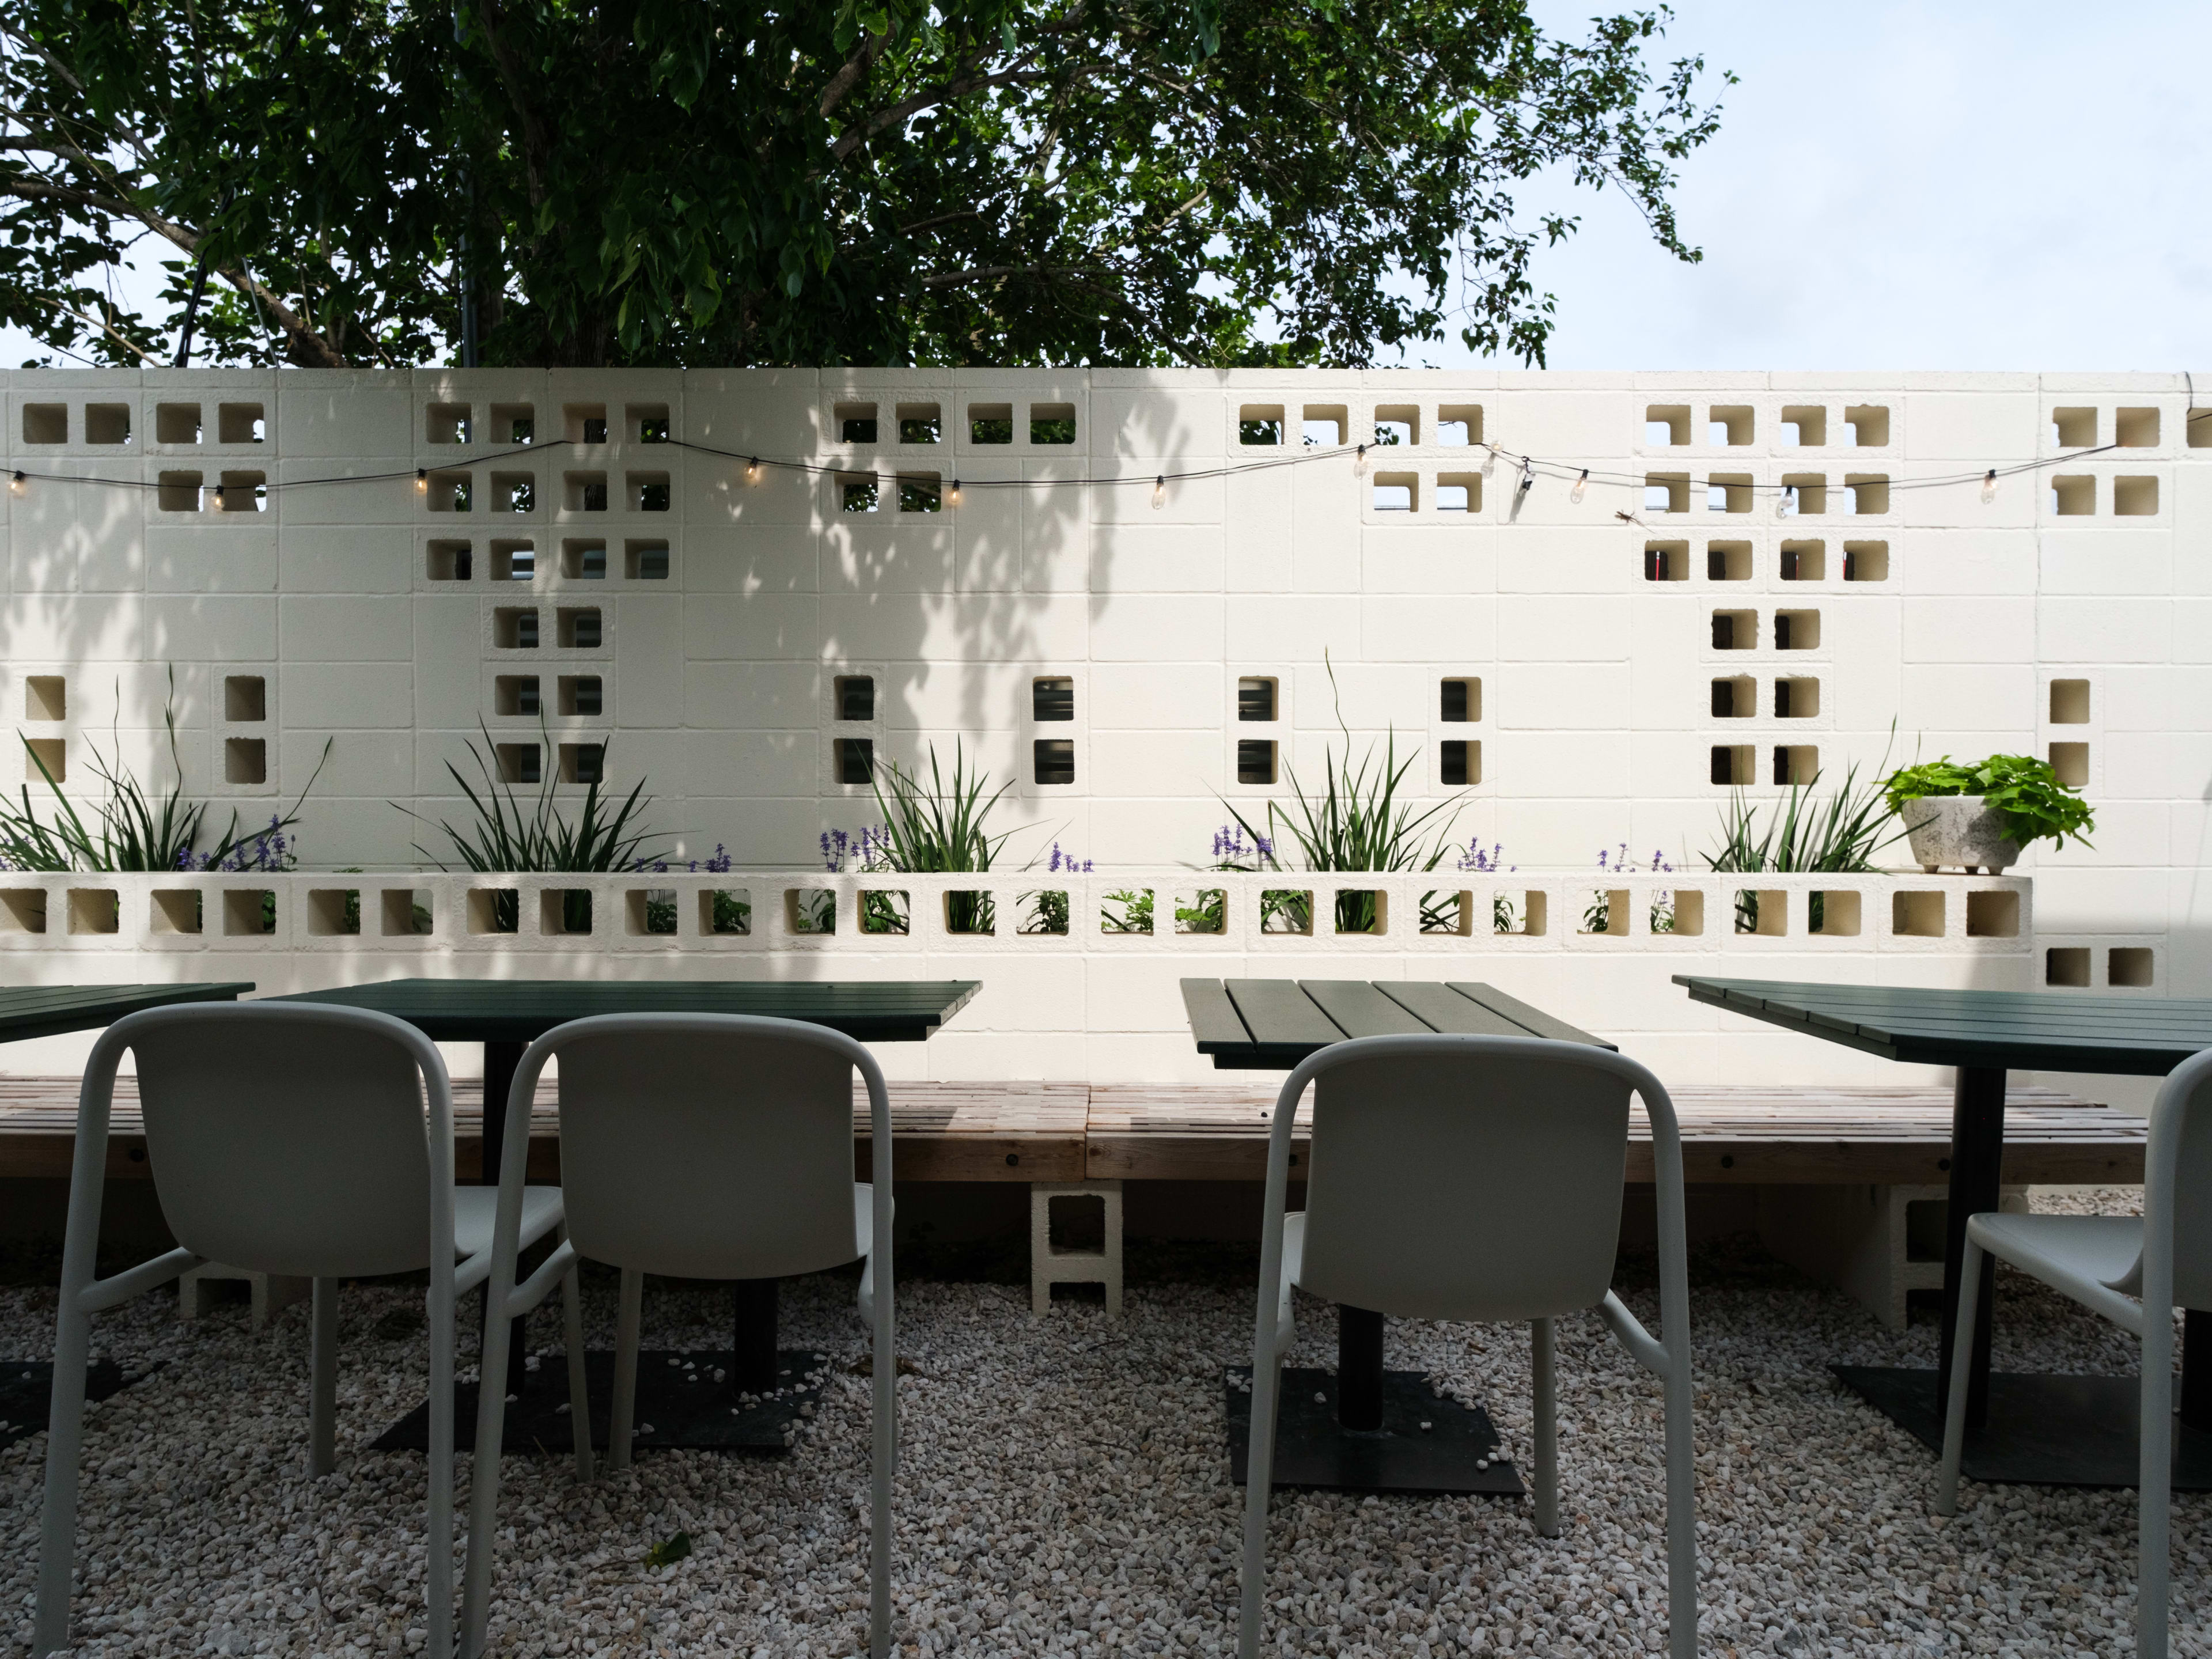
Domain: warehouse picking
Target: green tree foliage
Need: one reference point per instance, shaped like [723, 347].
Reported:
[1010, 181]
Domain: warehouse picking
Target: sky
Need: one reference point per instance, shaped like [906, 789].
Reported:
[1952, 185]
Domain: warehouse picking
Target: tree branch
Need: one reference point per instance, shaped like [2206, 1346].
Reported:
[535, 145]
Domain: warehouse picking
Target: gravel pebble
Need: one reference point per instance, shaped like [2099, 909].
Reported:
[1064, 1490]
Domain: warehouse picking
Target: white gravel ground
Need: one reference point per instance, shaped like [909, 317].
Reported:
[1064, 1489]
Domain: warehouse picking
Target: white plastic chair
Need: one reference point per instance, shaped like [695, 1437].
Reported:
[2133, 1270]
[284, 1138]
[699, 1147]
[1473, 1178]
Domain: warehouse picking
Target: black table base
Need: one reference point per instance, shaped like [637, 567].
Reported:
[684, 1404]
[1314, 1449]
[27, 1392]
[2040, 1430]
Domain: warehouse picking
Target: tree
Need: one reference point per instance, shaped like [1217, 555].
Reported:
[1010, 181]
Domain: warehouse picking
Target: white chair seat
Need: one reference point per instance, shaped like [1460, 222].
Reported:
[476, 1208]
[2102, 1248]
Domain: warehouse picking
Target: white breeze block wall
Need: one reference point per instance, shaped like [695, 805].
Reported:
[1595, 681]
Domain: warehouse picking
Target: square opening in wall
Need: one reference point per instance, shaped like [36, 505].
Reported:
[647, 423]
[242, 492]
[1459, 492]
[1797, 630]
[1764, 911]
[1256, 760]
[239, 423]
[1804, 426]
[1735, 630]
[584, 492]
[1458, 425]
[1834, 914]
[2135, 497]
[1666, 492]
[447, 423]
[493, 910]
[1256, 697]
[248, 911]
[581, 693]
[856, 423]
[513, 561]
[919, 492]
[1993, 915]
[520, 762]
[45, 697]
[2066, 964]
[1459, 698]
[564, 910]
[1728, 425]
[450, 562]
[1204, 911]
[990, 424]
[513, 424]
[176, 910]
[449, 492]
[1322, 425]
[1259, 425]
[584, 423]
[515, 694]
[1360, 910]
[1681, 912]
[1127, 910]
[1396, 492]
[1727, 562]
[921, 424]
[1869, 425]
[1285, 911]
[1795, 764]
[513, 492]
[1866, 562]
[1665, 562]
[1734, 764]
[179, 492]
[245, 698]
[1055, 760]
[2197, 427]
[1044, 911]
[1448, 912]
[1804, 494]
[856, 760]
[2073, 429]
[585, 561]
[1735, 699]
[2134, 429]
[46, 759]
[514, 629]
[107, 423]
[1052, 697]
[580, 628]
[45, 423]
[2070, 761]
[1728, 492]
[727, 910]
[645, 561]
[1524, 914]
[2128, 966]
[855, 696]
[1606, 911]
[1052, 423]
[1666, 424]
[404, 912]
[333, 911]
[857, 494]
[1917, 914]
[650, 911]
[1459, 762]
[583, 763]
[647, 492]
[177, 424]
[2070, 703]
[1869, 492]
[2073, 495]
[1797, 699]
[1804, 561]
[1397, 425]
[22, 910]
[93, 910]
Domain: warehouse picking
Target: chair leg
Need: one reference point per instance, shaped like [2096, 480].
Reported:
[323, 1382]
[2155, 1483]
[1258, 1475]
[64, 1437]
[884, 1461]
[1547, 1415]
[580, 1392]
[1682, 1504]
[622, 1416]
[1962, 1359]
[439, 1547]
[484, 1476]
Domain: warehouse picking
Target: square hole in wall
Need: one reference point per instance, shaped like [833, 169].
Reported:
[1665, 562]
[177, 492]
[2066, 964]
[1805, 425]
[1866, 562]
[919, 492]
[1257, 697]
[1458, 425]
[1396, 425]
[1525, 913]
[1917, 914]
[1666, 424]
[647, 492]
[1804, 561]
[513, 492]
[45, 423]
[1869, 492]
[1259, 425]
[647, 423]
[2073, 495]
[583, 763]
[2197, 425]
[1052, 697]
[725, 910]
[856, 423]
[1797, 699]
[857, 494]
[1459, 492]
[580, 628]
[1606, 911]
[1666, 492]
[1055, 760]
[1052, 423]
[447, 423]
[1396, 492]
[242, 492]
[247, 911]
[1833, 914]
[584, 423]
[1459, 762]
[513, 423]
[1762, 910]
[245, 698]
[2132, 429]
[45, 758]
[2073, 429]
[45, 697]
[1727, 562]
[494, 910]
[1359, 910]
[2128, 966]
[1735, 630]
[2071, 761]
[175, 911]
[514, 629]
[1256, 760]
[512, 562]
[855, 696]
[856, 760]
[22, 910]
[515, 694]
[584, 561]
[404, 911]
[2135, 498]
[921, 424]
[645, 561]
[1459, 698]
[1993, 915]
[1735, 699]
[1681, 912]
[1804, 493]
[1869, 424]
[177, 424]
[990, 424]
[650, 911]
[449, 492]
[1728, 492]
[1734, 764]
[107, 423]
[1324, 424]
[1729, 424]
[2070, 703]
[333, 911]
[1797, 630]
[520, 762]
[1795, 764]
[584, 492]
[239, 423]
[92, 910]
[564, 910]
[581, 693]
[450, 562]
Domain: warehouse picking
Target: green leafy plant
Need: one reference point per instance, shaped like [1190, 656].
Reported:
[1127, 910]
[939, 828]
[2023, 791]
[669, 1551]
[1802, 832]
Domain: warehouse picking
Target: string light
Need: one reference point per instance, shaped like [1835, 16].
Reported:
[1160, 492]
[952, 497]
[752, 471]
[17, 485]
[1359, 463]
[1580, 485]
[421, 480]
[1989, 486]
[1528, 478]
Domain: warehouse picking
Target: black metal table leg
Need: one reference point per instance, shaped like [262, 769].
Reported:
[2197, 1368]
[753, 1359]
[1358, 1368]
[501, 1060]
[1977, 1167]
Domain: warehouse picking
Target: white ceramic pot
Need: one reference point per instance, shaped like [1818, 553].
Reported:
[1958, 831]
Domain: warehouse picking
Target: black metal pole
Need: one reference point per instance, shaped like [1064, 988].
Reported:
[1358, 1368]
[1976, 1168]
[753, 1368]
[2196, 1369]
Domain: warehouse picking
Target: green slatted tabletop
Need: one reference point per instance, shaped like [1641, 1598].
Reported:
[37, 1011]
[1271, 1024]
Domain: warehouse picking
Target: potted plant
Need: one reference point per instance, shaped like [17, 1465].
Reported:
[1979, 815]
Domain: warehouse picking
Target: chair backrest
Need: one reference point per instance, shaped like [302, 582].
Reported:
[2188, 1092]
[706, 1146]
[1475, 1178]
[292, 1138]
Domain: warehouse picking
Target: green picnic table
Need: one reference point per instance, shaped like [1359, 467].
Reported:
[1271, 1024]
[37, 1011]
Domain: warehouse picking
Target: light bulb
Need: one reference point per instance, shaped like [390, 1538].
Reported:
[16, 484]
[752, 470]
[1581, 485]
[952, 497]
[421, 481]
[1359, 463]
[1160, 492]
[1528, 478]
[1989, 486]
[1786, 503]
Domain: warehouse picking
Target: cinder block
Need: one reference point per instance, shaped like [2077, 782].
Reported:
[1876, 1243]
[1050, 1264]
[272, 1292]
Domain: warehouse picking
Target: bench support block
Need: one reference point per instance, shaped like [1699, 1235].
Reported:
[1051, 1264]
[1876, 1243]
[272, 1293]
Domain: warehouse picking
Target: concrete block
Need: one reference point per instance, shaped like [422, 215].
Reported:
[1053, 1264]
